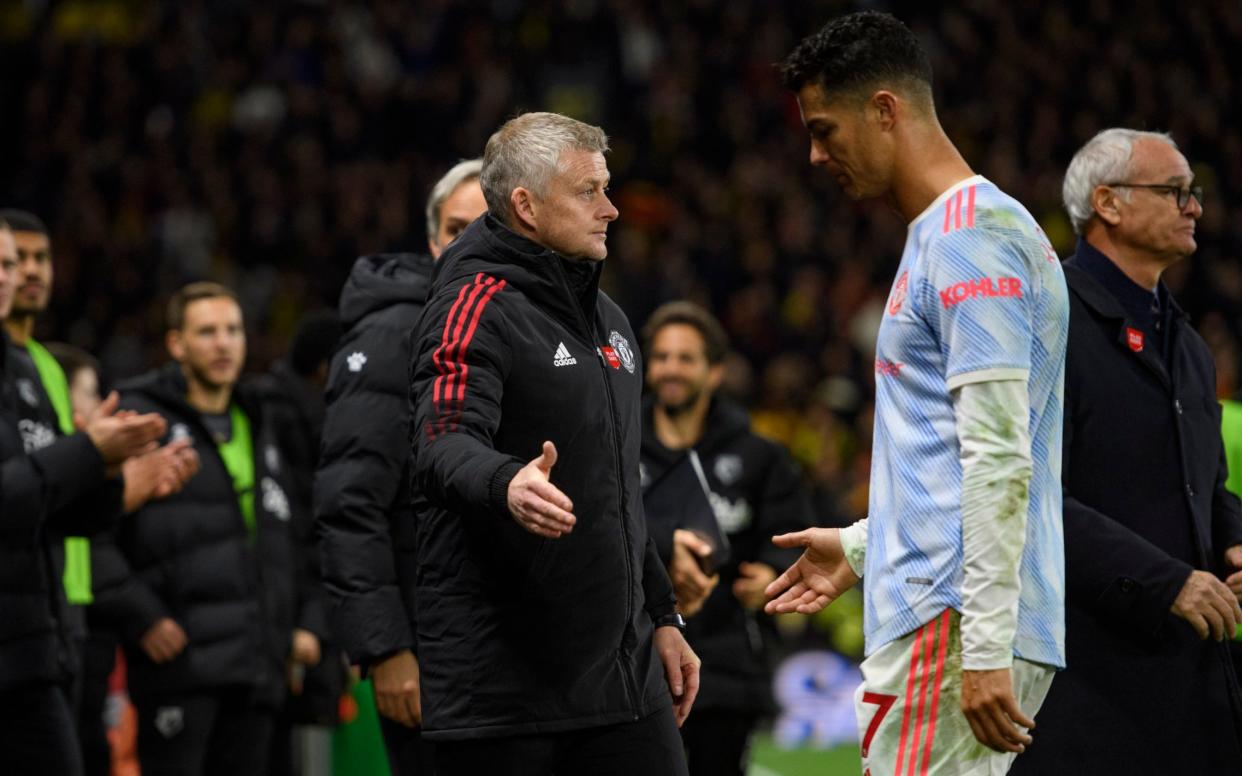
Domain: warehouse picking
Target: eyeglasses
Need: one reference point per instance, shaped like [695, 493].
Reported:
[1182, 195]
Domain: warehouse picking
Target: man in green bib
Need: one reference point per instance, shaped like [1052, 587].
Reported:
[50, 389]
[215, 603]
[44, 389]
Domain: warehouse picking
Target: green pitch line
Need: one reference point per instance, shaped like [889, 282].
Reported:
[768, 759]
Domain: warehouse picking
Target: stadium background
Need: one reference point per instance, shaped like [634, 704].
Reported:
[267, 145]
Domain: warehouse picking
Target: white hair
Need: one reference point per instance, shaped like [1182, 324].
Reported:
[462, 172]
[526, 152]
[1104, 159]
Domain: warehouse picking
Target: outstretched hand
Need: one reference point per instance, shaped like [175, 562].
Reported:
[539, 506]
[817, 578]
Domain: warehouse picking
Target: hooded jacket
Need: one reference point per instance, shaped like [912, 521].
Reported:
[43, 495]
[191, 557]
[362, 495]
[756, 493]
[519, 634]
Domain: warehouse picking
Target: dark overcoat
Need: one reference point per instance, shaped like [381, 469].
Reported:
[1145, 504]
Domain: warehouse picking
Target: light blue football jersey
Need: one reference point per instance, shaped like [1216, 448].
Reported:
[979, 296]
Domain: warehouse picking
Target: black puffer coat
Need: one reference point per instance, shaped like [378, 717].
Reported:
[519, 634]
[41, 494]
[192, 558]
[362, 495]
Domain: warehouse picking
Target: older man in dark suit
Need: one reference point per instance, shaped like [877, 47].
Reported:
[1153, 541]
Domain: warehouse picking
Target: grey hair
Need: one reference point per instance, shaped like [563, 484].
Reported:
[1104, 159]
[526, 152]
[462, 172]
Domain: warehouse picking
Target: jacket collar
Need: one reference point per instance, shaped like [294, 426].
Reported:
[567, 289]
[725, 420]
[1101, 301]
[167, 386]
[1080, 277]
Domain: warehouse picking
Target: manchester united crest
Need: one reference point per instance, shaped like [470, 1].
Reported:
[900, 290]
[621, 347]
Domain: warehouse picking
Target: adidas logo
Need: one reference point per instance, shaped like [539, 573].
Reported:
[562, 357]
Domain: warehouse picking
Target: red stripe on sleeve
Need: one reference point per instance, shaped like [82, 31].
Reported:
[452, 355]
[970, 207]
[437, 357]
[474, 324]
[447, 356]
[455, 390]
[957, 211]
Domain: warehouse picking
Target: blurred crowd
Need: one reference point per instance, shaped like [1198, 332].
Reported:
[267, 145]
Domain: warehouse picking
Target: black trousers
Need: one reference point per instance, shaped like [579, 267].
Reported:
[217, 732]
[37, 732]
[650, 747]
[98, 658]
[408, 753]
[718, 741]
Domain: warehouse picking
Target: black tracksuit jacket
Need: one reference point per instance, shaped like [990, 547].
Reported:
[56, 489]
[362, 495]
[519, 634]
[757, 493]
[191, 557]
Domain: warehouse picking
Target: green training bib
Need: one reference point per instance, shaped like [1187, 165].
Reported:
[77, 577]
[238, 457]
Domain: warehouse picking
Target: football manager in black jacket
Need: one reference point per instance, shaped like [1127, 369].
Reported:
[1153, 541]
[362, 497]
[547, 629]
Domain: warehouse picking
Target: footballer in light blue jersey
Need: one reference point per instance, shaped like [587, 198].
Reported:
[979, 296]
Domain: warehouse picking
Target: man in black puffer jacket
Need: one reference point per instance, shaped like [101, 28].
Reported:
[212, 608]
[547, 631]
[43, 496]
[755, 492]
[362, 495]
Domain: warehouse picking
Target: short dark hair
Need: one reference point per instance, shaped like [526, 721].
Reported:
[203, 289]
[314, 341]
[23, 221]
[857, 51]
[72, 359]
[715, 341]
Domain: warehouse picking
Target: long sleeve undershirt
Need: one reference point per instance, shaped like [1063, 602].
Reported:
[992, 419]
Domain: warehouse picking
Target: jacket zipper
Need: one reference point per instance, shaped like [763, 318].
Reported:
[628, 683]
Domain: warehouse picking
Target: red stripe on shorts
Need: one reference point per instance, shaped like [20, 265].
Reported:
[929, 648]
[931, 723]
[905, 712]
